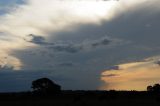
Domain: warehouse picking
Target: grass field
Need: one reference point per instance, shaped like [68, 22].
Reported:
[81, 98]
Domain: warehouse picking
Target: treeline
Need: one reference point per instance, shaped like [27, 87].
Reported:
[46, 88]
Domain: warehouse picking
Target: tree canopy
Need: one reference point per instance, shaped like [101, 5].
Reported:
[45, 86]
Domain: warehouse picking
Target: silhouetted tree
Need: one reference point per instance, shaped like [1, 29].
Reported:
[154, 88]
[149, 88]
[45, 86]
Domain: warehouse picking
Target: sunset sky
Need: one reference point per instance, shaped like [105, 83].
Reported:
[80, 44]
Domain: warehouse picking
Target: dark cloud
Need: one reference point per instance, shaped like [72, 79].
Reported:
[5, 68]
[67, 47]
[110, 75]
[70, 48]
[60, 47]
[101, 42]
[66, 64]
[74, 47]
[113, 68]
[36, 39]
[6, 5]
[158, 62]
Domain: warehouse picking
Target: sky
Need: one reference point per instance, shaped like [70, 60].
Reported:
[80, 44]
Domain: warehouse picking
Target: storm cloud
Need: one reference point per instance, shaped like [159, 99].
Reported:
[66, 40]
[69, 47]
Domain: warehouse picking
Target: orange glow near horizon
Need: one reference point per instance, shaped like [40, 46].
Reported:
[131, 76]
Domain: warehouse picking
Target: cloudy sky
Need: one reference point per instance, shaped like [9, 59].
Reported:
[80, 44]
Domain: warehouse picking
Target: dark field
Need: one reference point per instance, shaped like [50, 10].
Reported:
[81, 98]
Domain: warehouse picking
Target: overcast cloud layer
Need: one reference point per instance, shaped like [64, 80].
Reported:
[68, 41]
